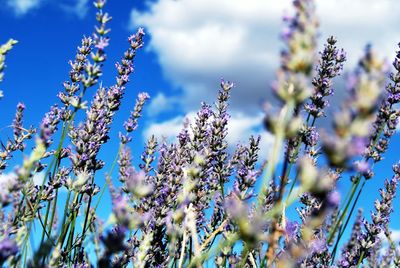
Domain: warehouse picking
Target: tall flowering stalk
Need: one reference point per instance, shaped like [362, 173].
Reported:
[300, 36]
[369, 238]
[297, 64]
[4, 49]
[383, 123]
[330, 66]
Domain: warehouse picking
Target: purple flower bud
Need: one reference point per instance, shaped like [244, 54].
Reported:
[226, 85]
[318, 246]
[8, 248]
[362, 166]
[291, 230]
[114, 240]
[333, 199]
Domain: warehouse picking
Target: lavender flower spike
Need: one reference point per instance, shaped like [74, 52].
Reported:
[131, 124]
[330, 66]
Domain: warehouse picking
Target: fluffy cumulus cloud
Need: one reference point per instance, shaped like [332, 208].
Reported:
[166, 130]
[197, 42]
[206, 40]
[9, 177]
[161, 103]
[395, 235]
[38, 178]
[21, 7]
[79, 8]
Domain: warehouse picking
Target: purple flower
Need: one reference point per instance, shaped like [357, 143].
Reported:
[394, 97]
[121, 210]
[8, 248]
[226, 85]
[311, 137]
[49, 124]
[235, 208]
[102, 43]
[115, 239]
[205, 111]
[17, 123]
[362, 166]
[333, 199]
[318, 246]
[291, 230]
[142, 96]
[330, 66]
[357, 146]
[132, 122]
[286, 33]
[300, 34]
[136, 40]
[136, 183]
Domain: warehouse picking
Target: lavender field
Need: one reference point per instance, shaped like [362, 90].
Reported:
[307, 178]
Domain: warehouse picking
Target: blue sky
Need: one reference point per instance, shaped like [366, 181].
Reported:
[190, 45]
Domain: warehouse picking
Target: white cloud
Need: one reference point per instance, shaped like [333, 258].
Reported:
[242, 126]
[197, 42]
[38, 178]
[205, 40]
[161, 103]
[10, 178]
[80, 8]
[168, 129]
[21, 7]
[395, 235]
[359, 22]
[6, 178]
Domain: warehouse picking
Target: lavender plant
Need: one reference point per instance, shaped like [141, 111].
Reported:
[193, 202]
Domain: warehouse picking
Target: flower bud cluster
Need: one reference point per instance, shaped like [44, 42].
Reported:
[131, 124]
[387, 119]
[85, 74]
[4, 49]
[89, 136]
[300, 34]
[21, 134]
[330, 66]
[366, 240]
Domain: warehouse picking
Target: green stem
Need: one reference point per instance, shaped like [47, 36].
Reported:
[297, 150]
[53, 213]
[244, 255]
[292, 185]
[353, 190]
[360, 260]
[71, 235]
[279, 139]
[45, 221]
[109, 176]
[224, 243]
[355, 184]
[66, 221]
[343, 228]
[85, 223]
